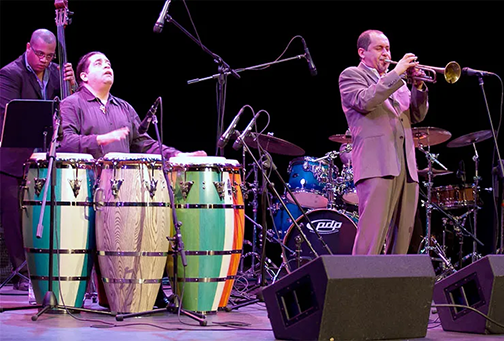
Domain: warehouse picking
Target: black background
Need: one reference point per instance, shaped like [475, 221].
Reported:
[303, 109]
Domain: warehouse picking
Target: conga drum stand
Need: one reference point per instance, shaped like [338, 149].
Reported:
[175, 302]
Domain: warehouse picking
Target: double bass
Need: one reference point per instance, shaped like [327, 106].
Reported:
[62, 20]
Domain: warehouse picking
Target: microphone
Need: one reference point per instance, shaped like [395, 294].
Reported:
[467, 71]
[224, 139]
[239, 141]
[148, 118]
[311, 65]
[158, 26]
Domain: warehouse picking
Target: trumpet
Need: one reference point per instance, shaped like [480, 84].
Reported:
[451, 72]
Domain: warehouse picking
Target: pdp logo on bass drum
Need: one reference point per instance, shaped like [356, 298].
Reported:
[325, 226]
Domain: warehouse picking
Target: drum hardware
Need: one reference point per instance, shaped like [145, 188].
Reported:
[253, 188]
[332, 170]
[261, 279]
[430, 243]
[467, 140]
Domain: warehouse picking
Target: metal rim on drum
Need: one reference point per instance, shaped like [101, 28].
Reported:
[336, 227]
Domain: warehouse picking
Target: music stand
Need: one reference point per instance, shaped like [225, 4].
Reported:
[27, 124]
[16, 133]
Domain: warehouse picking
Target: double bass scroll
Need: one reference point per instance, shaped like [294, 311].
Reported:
[62, 20]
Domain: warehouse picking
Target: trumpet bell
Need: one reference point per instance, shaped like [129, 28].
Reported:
[452, 72]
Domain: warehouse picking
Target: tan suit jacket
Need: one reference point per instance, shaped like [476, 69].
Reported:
[379, 112]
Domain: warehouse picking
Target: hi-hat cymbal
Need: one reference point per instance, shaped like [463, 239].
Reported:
[435, 172]
[429, 136]
[468, 139]
[273, 144]
[341, 138]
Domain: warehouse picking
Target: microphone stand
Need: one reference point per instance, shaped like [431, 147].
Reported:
[50, 303]
[500, 168]
[173, 306]
[224, 70]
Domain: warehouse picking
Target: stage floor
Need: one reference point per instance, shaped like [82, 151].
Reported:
[249, 322]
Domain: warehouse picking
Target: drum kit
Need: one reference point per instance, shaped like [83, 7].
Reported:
[327, 195]
[445, 199]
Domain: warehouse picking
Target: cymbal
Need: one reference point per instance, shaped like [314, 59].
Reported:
[341, 138]
[273, 144]
[468, 139]
[435, 172]
[429, 136]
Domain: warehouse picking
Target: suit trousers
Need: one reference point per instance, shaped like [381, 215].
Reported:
[387, 208]
[10, 216]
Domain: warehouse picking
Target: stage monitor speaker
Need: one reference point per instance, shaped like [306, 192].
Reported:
[345, 297]
[480, 286]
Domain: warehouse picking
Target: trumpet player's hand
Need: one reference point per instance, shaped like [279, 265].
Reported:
[408, 61]
[415, 73]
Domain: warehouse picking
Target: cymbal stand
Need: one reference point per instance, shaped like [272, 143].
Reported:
[428, 240]
[475, 187]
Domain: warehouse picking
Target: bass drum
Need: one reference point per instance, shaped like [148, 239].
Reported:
[337, 228]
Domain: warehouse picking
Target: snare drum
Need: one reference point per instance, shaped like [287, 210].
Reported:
[307, 180]
[133, 218]
[452, 197]
[74, 222]
[209, 204]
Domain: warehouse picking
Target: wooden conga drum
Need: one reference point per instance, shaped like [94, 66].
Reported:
[133, 219]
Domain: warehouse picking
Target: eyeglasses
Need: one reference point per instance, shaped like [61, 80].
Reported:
[41, 54]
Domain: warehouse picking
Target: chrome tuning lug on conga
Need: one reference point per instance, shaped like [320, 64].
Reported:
[185, 188]
[220, 188]
[152, 184]
[38, 183]
[75, 184]
[115, 184]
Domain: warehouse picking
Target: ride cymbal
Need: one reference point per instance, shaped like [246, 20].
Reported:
[468, 139]
[341, 138]
[273, 144]
[429, 136]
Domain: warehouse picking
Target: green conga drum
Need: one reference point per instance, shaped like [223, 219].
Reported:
[203, 202]
[73, 226]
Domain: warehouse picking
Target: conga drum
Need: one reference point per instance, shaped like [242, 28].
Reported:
[209, 205]
[133, 219]
[73, 226]
[234, 169]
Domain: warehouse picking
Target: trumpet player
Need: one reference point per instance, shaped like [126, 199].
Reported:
[380, 107]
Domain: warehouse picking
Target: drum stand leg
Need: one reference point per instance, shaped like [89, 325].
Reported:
[15, 273]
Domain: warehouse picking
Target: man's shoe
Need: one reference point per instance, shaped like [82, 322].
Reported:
[21, 285]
